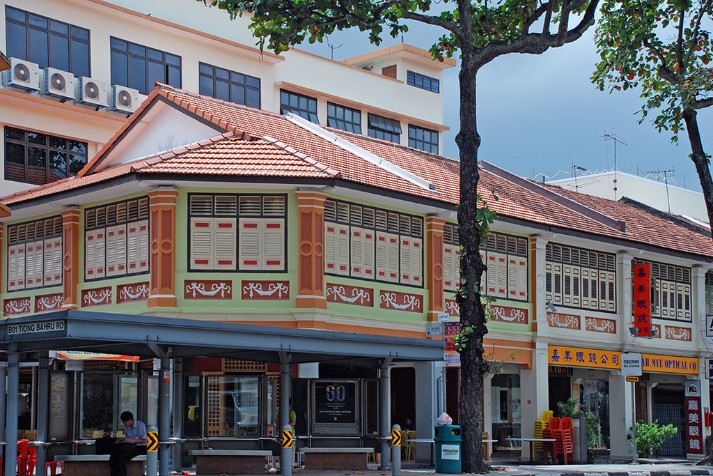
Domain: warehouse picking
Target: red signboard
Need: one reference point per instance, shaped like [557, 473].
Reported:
[642, 299]
[694, 428]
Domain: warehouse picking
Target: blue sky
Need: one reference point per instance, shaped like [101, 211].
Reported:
[540, 114]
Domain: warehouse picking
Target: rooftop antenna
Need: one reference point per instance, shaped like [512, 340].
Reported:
[575, 168]
[616, 141]
[665, 173]
[332, 47]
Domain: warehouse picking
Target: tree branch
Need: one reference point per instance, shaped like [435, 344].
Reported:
[432, 20]
[694, 34]
[702, 103]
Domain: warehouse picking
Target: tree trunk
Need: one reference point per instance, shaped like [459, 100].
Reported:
[472, 314]
[698, 156]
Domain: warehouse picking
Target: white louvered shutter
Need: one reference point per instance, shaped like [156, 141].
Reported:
[417, 261]
[143, 261]
[406, 260]
[357, 256]
[95, 254]
[607, 302]
[122, 244]
[368, 242]
[330, 248]
[249, 238]
[34, 257]
[273, 232]
[111, 251]
[225, 243]
[16, 267]
[449, 280]
[100, 259]
[342, 250]
[201, 243]
[517, 278]
[497, 275]
[483, 278]
[392, 266]
[53, 261]
[382, 256]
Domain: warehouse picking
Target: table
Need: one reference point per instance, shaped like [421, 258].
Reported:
[489, 448]
[531, 441]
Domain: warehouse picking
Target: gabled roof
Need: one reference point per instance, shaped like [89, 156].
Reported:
[256, 143]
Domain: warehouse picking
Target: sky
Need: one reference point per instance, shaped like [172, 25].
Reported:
[540, 115]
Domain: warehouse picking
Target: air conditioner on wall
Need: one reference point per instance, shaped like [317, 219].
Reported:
[92, 91]
[58, 83]
[22, 75]
[125, 99]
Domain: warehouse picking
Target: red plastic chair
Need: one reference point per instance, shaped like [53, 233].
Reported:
[548, 447]
[52, 466]
[564, 440]
[26, 458]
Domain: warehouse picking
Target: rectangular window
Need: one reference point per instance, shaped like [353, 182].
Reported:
[303, 106]
[116, 240]
[47, 42]
[422, 81]
[580, 278]
[423, 139]
[139, 67]
[671, 291]
[229, 86]
[238, 232]
[34, 254]
[232, 405]
[374, 244]
[384, 128]
[344, 118]
[32, 157]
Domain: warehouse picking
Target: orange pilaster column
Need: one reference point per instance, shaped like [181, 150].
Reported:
[71, 220]
[163, 248]
[310, 278]
[434, 266]
[2, 247]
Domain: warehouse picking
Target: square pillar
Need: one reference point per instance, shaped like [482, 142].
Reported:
[310, 230]
[163, 247]
[434, 266]
[70, 258]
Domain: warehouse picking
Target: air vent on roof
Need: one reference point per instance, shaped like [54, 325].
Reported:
[93, 92]
[58, 83]
[23, 75]
[359, 152]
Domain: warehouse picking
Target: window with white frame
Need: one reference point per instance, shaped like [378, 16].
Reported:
[580, 278]
[670, 291]
[116, 239]
[34, 254]
[370, 243]
[237, 232]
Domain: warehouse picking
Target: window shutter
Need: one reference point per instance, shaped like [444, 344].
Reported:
[273, 231]
[330, 247]
[122, 244]
[417, 261]
[112, 251]
[368, 242]
[382, 255]
[392, 242]
[497, 275]
[606, 279]
[34, 259]
[517, 278]
[16, 267]
[250, 254]
[342, 250]
[100, 256]
[407, 252]
[138, 247]
[53, 261]
[357, 257]
[668, 307]
[90, 254]
[225, 244]
[449, 258]
[201, 243]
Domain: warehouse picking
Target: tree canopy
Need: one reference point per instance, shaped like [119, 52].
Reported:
[665, 48]
[478, 31]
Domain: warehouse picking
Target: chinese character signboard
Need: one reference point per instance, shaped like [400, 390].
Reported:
[579, 357]
[694, 428]
[642, 299]
[450, 331]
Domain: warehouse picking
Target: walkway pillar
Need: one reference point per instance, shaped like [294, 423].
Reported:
[13, 389]
[385, 411]
[426, 374]
[3, 399]
[164, 416]
[286, 454]
[621, 418]
[178, 415]
[43, 389]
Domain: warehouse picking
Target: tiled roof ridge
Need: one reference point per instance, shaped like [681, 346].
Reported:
[573, 205]
[678, 220]
[178, 151]
[292, 151]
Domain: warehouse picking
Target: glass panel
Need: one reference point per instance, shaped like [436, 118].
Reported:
[80, 34]
[12, 133]
[96, 404]
[58, 166]
[76, 162]
[14, 162]
[36, 138]
[36, 162]
[237, 93]
[80, 59]
[38, 47]
[14, 14]
[119, 69]
[157, 73]
[253, 98]
[205, 85]
[137, 50]
[174, 76]
[193, 418]
[222, 90]
[155, 55]
[60, 52]
[16, 41]
[205, 69]
[36, 20]
[59, 27]
[233, 405]
[137, 79]
[120, 45]
[127, 397]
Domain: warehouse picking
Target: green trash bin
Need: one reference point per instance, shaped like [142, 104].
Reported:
[448, 440]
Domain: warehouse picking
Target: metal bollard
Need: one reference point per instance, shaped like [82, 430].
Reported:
[396, 450]
[151, 451]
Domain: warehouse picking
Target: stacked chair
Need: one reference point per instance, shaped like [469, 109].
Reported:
[540, 426]
[562, 430]
[26, 458]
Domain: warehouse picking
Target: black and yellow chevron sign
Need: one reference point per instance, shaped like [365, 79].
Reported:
[395, 437]
[287, 439]
[152, 442]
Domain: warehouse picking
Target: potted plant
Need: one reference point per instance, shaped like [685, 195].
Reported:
[650, 437]
[571, 409]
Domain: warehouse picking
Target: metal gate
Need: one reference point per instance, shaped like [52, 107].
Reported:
[673, 413]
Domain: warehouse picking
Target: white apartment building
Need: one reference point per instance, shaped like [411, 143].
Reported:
[78, 68]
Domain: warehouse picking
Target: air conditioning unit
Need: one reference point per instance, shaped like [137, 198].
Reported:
[125, 99]
[92, 91]
[58, 83]
[23, 75]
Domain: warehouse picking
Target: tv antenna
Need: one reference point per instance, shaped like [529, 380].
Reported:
[332, 47]
[665, 173]
[576, 168]
[616, 140]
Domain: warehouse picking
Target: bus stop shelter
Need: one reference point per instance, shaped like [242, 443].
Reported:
[30, 338]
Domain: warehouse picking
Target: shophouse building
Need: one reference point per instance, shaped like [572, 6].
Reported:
[198, 213]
